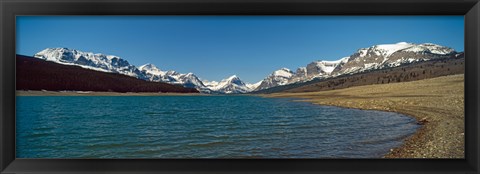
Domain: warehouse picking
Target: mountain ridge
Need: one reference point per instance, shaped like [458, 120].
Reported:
[364, 59]
[115, 64]
[403, 73]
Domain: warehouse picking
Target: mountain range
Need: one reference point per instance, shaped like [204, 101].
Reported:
[148, 72]
[364, 59]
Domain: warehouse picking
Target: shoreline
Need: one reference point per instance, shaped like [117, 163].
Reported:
[437, 102]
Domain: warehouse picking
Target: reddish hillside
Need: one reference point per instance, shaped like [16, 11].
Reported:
[37, 74]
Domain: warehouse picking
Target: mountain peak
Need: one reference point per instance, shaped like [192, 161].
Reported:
[233, 77]
[388, 49]
[151, 69]
[149, 66]
[402, 43]
[283, 72]
[59, 49]
[277, 78]
[232, 84]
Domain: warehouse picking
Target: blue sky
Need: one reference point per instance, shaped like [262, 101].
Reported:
[215, 47]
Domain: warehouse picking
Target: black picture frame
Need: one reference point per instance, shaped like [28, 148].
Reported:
[11, 8]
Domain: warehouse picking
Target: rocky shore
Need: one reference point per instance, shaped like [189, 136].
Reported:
[436, 103]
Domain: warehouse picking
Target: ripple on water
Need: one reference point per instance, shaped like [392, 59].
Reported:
[202, 127]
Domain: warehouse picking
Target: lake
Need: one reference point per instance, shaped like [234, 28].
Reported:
[201, 127]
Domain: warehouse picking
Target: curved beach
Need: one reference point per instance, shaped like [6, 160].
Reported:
[436, 103]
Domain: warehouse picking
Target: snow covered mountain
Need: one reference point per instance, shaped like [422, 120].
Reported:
[99, 62]
[364, 59]
[391, 55]
[153, 73]
[231, 85]
[210, 84]
[277, 78]
[323, 68]
[316, 69]
[254, 85]
[149, 72]
[374, 57]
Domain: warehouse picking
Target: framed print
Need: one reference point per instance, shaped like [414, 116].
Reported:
[240, 87]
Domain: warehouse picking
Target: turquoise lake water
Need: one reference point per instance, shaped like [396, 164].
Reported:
[201, 127]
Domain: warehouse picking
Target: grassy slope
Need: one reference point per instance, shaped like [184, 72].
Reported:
[438, 100]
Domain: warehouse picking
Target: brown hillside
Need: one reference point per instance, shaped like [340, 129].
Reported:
[37, 74]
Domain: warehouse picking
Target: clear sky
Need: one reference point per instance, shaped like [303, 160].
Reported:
[215, 47]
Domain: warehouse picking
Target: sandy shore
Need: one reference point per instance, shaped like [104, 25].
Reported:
[90, 93]
[439, 101]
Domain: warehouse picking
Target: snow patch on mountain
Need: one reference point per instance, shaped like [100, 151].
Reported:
[388, 49]
[284, 72]
[210, 84]
[99, 62]
[276, 78]
[431, 48]
[231, 85]
[151, 69]
[254, 85]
